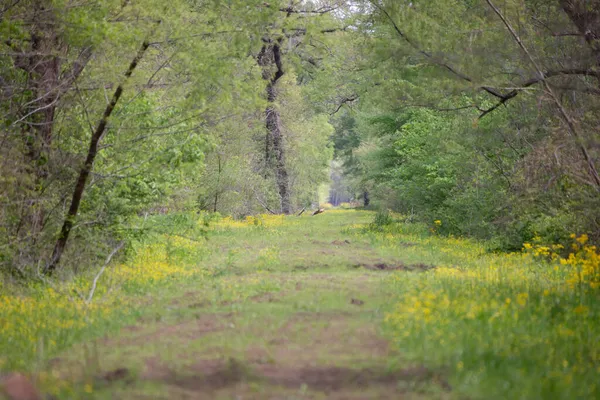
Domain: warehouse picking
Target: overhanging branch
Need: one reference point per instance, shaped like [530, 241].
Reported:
[345, 100]
[503, 97]
[543, 77]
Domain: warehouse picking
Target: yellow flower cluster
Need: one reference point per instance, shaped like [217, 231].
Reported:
[262, 220]
[154, 263]
[42, 324]
[537, 249]
[583, 260]
[511, 324]
[48, 320]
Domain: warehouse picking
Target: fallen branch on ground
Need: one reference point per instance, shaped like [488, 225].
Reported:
[110, 256]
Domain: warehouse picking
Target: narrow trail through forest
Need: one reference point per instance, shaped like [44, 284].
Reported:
[307, 327]
[299, 199]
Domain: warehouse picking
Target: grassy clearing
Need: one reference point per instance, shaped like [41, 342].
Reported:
[299, 308]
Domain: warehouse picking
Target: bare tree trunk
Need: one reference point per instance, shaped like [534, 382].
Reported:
[69, 221]
[48, 70]
[218, 188]
[41, 61]
[585, 14]
[269, 59]
[274, 127]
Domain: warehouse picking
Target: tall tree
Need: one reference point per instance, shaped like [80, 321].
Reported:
[291, 23]
[270, 60]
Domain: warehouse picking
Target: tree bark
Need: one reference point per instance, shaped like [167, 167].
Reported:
[41, 61]
[269, 59]
[69, 221]
[585, 15]
[274, 128]
[42, 65]
[218, 188]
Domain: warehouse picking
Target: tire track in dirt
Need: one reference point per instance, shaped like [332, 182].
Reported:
[334, 354]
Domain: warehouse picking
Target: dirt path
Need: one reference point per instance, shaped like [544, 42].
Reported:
[304, 323]
[316, 338]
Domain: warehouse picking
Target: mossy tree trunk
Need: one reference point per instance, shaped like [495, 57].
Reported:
[271, 63]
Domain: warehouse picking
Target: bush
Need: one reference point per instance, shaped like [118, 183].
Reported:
[382, 219]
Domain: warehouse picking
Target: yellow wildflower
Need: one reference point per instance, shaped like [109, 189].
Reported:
[583, 239]
[522, 299]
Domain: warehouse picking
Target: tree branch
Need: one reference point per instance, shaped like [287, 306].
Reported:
[95, 282]
[78, 66]
[319, 11]
[264, 205]
[414, 45]
[8, 7]
[86, 169]
[302, 31]
[562, 34]
[345, 101]
[541, 78]
[571, 128]
[504, 97]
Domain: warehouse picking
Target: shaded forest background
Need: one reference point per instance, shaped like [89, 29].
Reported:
[480, 114]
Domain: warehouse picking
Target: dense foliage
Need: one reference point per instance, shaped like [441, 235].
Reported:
[480, 117]
[483, 118]
[114, 110]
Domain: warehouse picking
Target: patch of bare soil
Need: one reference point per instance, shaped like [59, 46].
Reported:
[397, 267]
[340, 242]
[408, 244]
[331, 378]
[307, 353]
[336, 354]
[267, 297]
[337, 242]
[215, 375]
[207, 377]
[118, 374]
[188, 330]
[203, 376]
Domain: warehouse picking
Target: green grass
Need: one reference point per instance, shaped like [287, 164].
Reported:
[295, 307]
